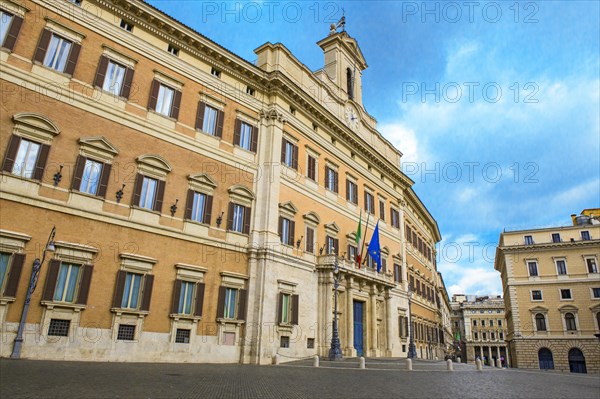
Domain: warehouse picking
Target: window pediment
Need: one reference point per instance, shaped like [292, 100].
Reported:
[241, 194]
[385, 251]
[153, 165]
[288, 209]
[35, 126]
[136, 263]
[538, 309]
[332, 228]
[97, 147]
[312, 218]
[202, 182]
[351, 236]
[568, 308]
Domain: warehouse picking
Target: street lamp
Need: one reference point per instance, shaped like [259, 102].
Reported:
[335, 352]
[412, 351]
[35, 272]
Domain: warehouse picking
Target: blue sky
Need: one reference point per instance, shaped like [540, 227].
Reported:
[495, 105]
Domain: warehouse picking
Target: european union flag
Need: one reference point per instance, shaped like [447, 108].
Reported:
[374, 248]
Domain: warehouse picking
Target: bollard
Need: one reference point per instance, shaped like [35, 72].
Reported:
[458, 359]
[409, 364]
[449, 365]
[361, 362]
[478, 363]
[499, 363]
[316, 361]
[276, 359]
[436, 358]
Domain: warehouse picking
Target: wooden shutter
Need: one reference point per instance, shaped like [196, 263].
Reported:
[292, 234]
[42, 47]
[283, 143]
[295, 304]
[254, 139]
[101, 72]
[220, 120]
[295, 157]
[176, 295]
[104, 179]
[384, 265]
[349, 196]
[336, 245]
[137, 190]
[200, 115]
[221, 302]
[335, 182]
[51, 276]
[153, 95]
[11, 153]
[246, 229]
[311, 168]
[176, 104]
[84, 285]
[160, 193]
[78, 173]
[310, 238]
[189, 204]
[230, 216]
[73, 56]
[40, 165]
[326, 177]
[13, 33]
[382, 210]
[126, 89]
[119, 288]
[279, 307]
[12, 281]
[207, 209]
[242, 305]
[199, 299]
[236, 132]
[280, 230]
[147, 294]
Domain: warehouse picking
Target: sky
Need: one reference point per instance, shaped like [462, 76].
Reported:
[495, 105]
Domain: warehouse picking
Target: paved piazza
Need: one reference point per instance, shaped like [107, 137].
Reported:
[381, 379]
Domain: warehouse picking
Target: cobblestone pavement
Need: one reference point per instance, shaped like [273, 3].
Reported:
[383, 378]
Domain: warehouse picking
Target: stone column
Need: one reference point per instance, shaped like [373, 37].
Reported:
[373, 319]
[389, 322]
[350, 351]
[490, 355]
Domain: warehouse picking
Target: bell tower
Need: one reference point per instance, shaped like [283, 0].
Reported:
[344, 62]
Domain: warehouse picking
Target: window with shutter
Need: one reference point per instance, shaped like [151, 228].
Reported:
[10, 26]
[312, 168]
[310, 240]
[11, 266]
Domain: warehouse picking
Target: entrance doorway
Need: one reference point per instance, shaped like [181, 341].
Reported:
[545, 359]
[358, 327]
[576, 361]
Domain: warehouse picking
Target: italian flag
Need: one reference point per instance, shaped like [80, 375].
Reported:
[359, 241]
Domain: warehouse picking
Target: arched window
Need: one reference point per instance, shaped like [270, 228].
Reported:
[350, 83]
[576, 361]
[570, 322]
[540, 322]
[545, 359]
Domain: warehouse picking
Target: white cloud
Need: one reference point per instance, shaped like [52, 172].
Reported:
[405, 140]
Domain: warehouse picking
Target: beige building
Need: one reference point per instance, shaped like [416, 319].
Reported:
[480, 329]
[552, 294]
[201, 202]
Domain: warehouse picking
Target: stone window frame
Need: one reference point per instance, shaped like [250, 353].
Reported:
[312, 221]
[287, 210]
[536, 300]
[574, 310]
[236, 281]
[155, 167]
[194, 274]
[17, 10]
[310, 152]
[332, 230]
[13, 243]
[289, 288]
[537, 267]
[585, 263]
[350, 178]
[535, 311]
[555, 259]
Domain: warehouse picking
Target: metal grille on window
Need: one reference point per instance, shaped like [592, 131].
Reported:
[310, 343]
[126, 332]
[182, 336]
[59, 328]
[285, 342]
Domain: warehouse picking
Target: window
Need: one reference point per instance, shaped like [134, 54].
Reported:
[10, 25]
[245, 136]
[186, 297]
[591, 265]
[561, 267]
[182, 336]
[286, 230]
[493, 336]
[230, 303]
[352, 252]
[532, 266]
[113, 82]
[528, 240]
[173, 50]
[585, 235]
[209, 123]
[164, 100]
[289, 154]
[149, 187]
[284, 342]
[331, 245]
[310, 240]
[312, 168]
[555, 237]
[59, 328]
[126, 332]
[310, 343]
[239, 218]
[132, 290]
[369, 203]
[90, 177]
[382, 210]
[482, 323]
[292, 110]
[596, 293]
[397, 273]
[128, 26]
[536, 295]
[26, 159]
[474, 323]
[395, 218]
[484, 336]
[76, 2]
[476, 335]
[565, 294]
[500, 321]
[350, 84]
[491, 323]
[570, 322]
[58, 53]
[331, 179]
[198, 207]
[66, 282]
[250, 90]
[351, 192]
[4, 263]
[540, 322]
[501, 335]
[288, 309]
[215, 72]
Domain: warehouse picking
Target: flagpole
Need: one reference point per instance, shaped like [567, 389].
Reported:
[365, 238]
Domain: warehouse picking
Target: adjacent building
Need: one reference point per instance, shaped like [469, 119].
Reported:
[552, 294]
[480, 327]
[201, 203]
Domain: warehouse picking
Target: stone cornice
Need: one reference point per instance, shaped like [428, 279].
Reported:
[550, 245]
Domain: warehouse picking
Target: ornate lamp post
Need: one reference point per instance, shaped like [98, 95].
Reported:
[35, 272]
[412, 351]
[335, 352]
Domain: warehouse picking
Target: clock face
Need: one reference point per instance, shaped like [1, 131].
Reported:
[352, 118]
